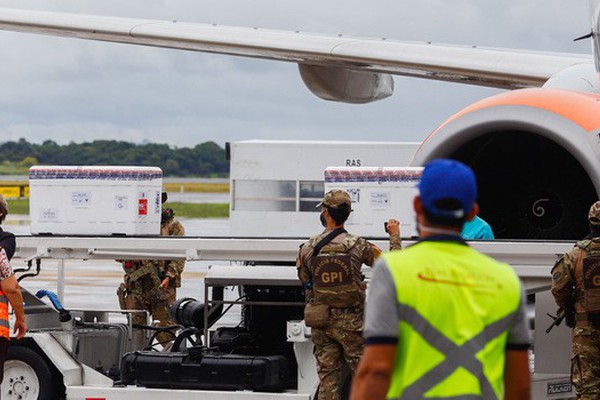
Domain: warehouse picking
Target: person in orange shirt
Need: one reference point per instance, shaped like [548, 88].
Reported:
[10, 292]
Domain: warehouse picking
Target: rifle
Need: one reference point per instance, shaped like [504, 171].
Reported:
[556, 320]
[567, 313]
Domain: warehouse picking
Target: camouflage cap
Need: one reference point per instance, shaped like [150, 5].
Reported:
[335, 199]
[3, 205]
[594, 214]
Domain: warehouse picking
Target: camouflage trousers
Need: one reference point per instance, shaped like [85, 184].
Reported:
[340, 342]
[585, 364]
[158, 309]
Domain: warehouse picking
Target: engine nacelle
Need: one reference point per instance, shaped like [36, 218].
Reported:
[536, 156]
[346, 85]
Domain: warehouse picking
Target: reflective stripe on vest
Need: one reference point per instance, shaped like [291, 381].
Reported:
[4, 324]
[456, 356]
[455, 307]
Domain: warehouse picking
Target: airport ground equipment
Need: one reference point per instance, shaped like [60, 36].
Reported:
[84, 360]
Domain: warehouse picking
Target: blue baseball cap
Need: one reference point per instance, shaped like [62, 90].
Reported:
[448, 179]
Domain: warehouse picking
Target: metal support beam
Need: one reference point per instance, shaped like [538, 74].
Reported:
[531, 260]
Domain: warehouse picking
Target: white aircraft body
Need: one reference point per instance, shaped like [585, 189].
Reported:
[535, 148]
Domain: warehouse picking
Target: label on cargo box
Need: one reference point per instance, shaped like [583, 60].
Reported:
[48, 214]
[380, 199]
[143, 207]
[157, 202]
[354, 195]
[121, 202]
[81, 199]
[559, 387]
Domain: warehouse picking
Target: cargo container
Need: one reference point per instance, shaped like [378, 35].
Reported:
[275, 185]
[95, 200]
[378, 194]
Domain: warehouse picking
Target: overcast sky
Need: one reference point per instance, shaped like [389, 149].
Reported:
[74, 90]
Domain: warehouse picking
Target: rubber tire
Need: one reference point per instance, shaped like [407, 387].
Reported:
[33, 375]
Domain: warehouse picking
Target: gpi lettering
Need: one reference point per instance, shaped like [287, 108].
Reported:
[332, 277]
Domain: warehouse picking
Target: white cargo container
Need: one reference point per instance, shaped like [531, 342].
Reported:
[94, 200]
[275, 185]
[378, 194]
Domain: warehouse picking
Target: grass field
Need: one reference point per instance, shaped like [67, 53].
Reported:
[20, 207]
[200, 210]
[189, 187]
[13, 169]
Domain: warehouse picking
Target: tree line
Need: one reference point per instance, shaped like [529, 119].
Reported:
[205, 159]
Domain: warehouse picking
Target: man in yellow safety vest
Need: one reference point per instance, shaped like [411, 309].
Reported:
[444, 321]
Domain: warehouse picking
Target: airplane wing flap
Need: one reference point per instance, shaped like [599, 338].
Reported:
[405, 58]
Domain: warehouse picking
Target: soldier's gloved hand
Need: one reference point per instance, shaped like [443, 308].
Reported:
[393, 227]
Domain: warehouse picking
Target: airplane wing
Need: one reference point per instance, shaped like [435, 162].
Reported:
[318, 54]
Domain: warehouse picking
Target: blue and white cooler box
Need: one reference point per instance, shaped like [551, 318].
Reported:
[95, 200]
[378, 194]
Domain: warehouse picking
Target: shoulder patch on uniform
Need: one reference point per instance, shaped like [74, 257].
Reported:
[350, 240]
[557, 275]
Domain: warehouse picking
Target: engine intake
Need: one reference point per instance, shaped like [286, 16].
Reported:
[536, 165]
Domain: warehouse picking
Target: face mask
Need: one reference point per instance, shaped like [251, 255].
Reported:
[323, 220]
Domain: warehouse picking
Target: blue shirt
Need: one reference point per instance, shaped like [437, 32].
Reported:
[477, 228]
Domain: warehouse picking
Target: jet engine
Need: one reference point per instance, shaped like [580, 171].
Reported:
[536, 156]
[346, 85]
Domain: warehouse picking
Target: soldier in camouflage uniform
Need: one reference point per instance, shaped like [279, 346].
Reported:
[171, 270]
[342, 289]
[576, 290]
[141, 290]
